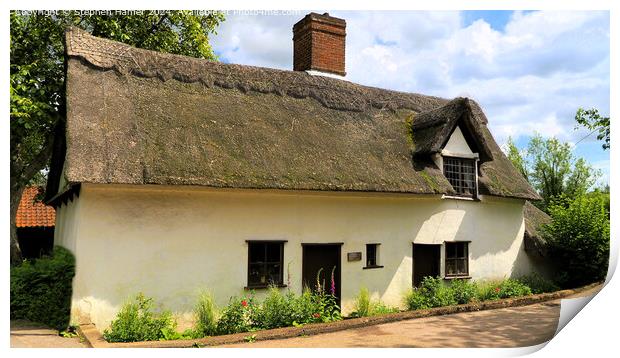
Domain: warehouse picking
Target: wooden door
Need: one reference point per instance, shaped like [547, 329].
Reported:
[323, 258]
[426, 261]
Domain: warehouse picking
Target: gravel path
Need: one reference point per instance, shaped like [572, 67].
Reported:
[507, 327]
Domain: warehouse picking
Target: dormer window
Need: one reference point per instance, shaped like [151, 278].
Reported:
[461, 173]
[460, 164]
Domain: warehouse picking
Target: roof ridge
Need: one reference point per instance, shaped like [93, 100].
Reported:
[332, 93]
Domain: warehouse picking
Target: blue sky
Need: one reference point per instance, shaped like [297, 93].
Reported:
[529, 70]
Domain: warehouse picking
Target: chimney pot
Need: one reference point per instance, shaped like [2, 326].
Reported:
[319, 44]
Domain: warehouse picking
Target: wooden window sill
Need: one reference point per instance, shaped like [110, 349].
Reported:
[372, 267]
[260, 287]
[467, 198]
[461, 277]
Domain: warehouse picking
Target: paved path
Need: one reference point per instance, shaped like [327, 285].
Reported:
[508, 327]
[30, 335]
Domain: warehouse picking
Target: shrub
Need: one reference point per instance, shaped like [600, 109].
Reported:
[277, 310]
[437, 293]
[306, 308]
[464, 291]
[434, 293]
[578, 239]
[205, 316]
[489, 290]
[236, 317]
[136, 322]
[379, 307]
[431, 293]
[513, 288]
[494, 290]
[538, 284]
[41, 289]
[416, 300]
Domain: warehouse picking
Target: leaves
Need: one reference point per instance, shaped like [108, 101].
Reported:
[37, 65]
[551, 168]
[578, 238]
[37, 74]
[593, 121]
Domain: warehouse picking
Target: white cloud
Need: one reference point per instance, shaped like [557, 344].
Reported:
[530, 77]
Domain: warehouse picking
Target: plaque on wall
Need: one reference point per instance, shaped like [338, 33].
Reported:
[354, 256]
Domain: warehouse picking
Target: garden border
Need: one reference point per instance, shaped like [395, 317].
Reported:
[94, 338]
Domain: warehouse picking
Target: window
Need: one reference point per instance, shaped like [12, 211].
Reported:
[372, 255]
[461, 173]
[265, 263]
[457, 259]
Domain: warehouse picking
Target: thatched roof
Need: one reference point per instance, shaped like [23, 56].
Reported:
[142, 117]
[534, 218]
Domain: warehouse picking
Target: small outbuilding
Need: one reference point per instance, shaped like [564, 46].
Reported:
[35, 224]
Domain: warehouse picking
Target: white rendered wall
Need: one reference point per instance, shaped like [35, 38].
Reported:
[457, 143]
[169, 242]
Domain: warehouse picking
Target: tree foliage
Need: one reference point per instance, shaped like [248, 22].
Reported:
[516, 157]
[592, 120]
[551, 168]
[578, 238]
[37, 73]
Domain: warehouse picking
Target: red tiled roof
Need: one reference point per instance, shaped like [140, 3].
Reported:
[34, 213]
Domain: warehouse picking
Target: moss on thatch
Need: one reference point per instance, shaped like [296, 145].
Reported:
[141, 117]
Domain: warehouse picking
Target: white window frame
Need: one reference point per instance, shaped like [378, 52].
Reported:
[475, 157]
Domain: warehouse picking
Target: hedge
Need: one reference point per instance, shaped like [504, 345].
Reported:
[41, 289]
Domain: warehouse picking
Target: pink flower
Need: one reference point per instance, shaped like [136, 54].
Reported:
[244, 303]
[496, 289]
[332, 288]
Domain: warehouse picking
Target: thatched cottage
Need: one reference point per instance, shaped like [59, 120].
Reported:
[176, 174]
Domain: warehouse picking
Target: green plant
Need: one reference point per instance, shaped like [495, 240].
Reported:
[578, 239]
[136, 322]
[205, 316]
[365, 307]
[236, 317]
[67, 334]
[306, 307]
[437, 292]
[276, 310]
[538, 284]
[513, 288]
[41, 289]
[329, 310]
[250, 338]
[497, 289]
[464, 291]
[431, 293]
[378, 308]
[489, 290]
[415, 300]
[362, 303]
[171, 334]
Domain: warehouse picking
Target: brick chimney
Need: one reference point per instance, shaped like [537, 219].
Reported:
[318, 44]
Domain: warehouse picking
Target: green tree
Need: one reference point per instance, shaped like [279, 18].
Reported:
[551, 168]
[592, 120]
[578, 239]
[37, 103]
[517, 159]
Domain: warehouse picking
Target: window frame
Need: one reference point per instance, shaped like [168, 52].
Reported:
[465, 258]
[265, 263]
[461, 173]
[376, 246]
